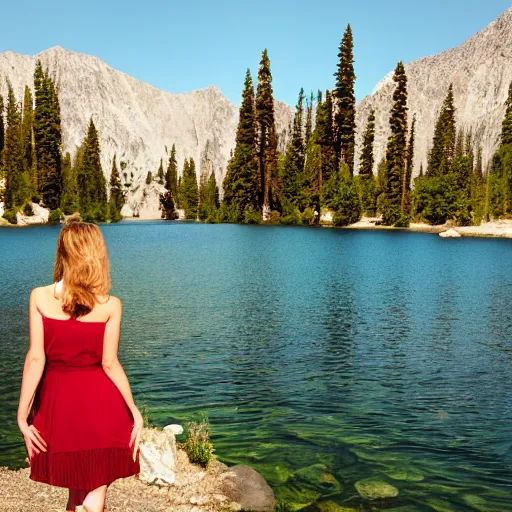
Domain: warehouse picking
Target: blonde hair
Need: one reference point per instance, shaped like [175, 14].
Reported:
[83, 265]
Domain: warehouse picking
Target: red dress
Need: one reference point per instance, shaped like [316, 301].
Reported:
[80, 412]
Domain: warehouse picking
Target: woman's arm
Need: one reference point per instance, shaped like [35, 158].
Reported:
[114, 369]
[32, 372]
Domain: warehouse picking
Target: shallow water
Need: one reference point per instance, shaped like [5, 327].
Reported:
[322, 356]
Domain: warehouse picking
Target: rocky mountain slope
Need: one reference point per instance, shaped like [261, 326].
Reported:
[136, 121]
[480, 70]
[139, 123]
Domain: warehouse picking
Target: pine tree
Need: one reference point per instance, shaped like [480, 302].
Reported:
[149, 178]
[309, 120]
[242, 180]
[409, 164]
[92, 186]
[47, 138]
[2, 130]
[171, 175]
[345, 102]
[443, 148]
[396, 149]
[13, 157]
[160, 173]
[266, 137]
[27, 137]
[209, 200]
[366, 161]
[506, 129]
[69, 200]
[346, 203]
[366, 178]
[189, 190]
[293, 168]
[320, 163]
[117, 197]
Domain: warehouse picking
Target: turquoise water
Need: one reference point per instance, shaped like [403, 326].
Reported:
[321, 356]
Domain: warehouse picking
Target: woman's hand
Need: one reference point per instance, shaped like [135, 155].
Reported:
[138, 423]
[33, 439]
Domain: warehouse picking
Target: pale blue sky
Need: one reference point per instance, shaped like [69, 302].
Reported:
[182, 46]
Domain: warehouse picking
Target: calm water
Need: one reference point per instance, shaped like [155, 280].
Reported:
[321, 356]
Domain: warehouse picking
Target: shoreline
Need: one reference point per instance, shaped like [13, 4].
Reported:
[493, 229]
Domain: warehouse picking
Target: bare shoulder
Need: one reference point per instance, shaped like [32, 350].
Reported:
[115, 305]
[40, 292]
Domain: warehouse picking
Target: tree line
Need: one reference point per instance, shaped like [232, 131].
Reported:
[34, 169]
[315, 173]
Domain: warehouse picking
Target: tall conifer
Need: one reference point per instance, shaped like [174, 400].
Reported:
[13, 157]
[189, 190]
[160, 173]
[396, 149]
[47, 138]
[27, 136]
[345, 102]
[117, 197]
[409, 164]
[243, 179]
[293, 167]
[366, 178]
[443, 147]
[171, 175]
[92, 186]
[309, 119]
[266, 137]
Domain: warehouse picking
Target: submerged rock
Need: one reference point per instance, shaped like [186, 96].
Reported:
[317, 475]
[247, 487]
[375, 489]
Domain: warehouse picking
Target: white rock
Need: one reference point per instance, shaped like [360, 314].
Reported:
[1, 208]
[175, 429]
[326, 217]
[158, 457]
[39, 211]
[451, 233]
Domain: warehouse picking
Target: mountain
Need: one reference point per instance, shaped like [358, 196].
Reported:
[480, 70]
[139, 123]
[136, 121]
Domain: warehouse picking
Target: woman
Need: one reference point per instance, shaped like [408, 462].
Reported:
[76, 410]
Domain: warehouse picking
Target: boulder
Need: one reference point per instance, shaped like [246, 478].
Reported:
[451, 233]
[247, 487]
[40, 216]
[158, 457]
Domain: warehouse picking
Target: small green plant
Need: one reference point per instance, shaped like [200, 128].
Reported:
[55, 216]
[198, 446]
[10, 215]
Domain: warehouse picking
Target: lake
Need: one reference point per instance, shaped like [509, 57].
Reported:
[322, 357]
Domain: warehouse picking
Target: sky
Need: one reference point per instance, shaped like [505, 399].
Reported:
[188, 45]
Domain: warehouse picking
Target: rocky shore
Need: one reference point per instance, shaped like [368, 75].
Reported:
[168, 482]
